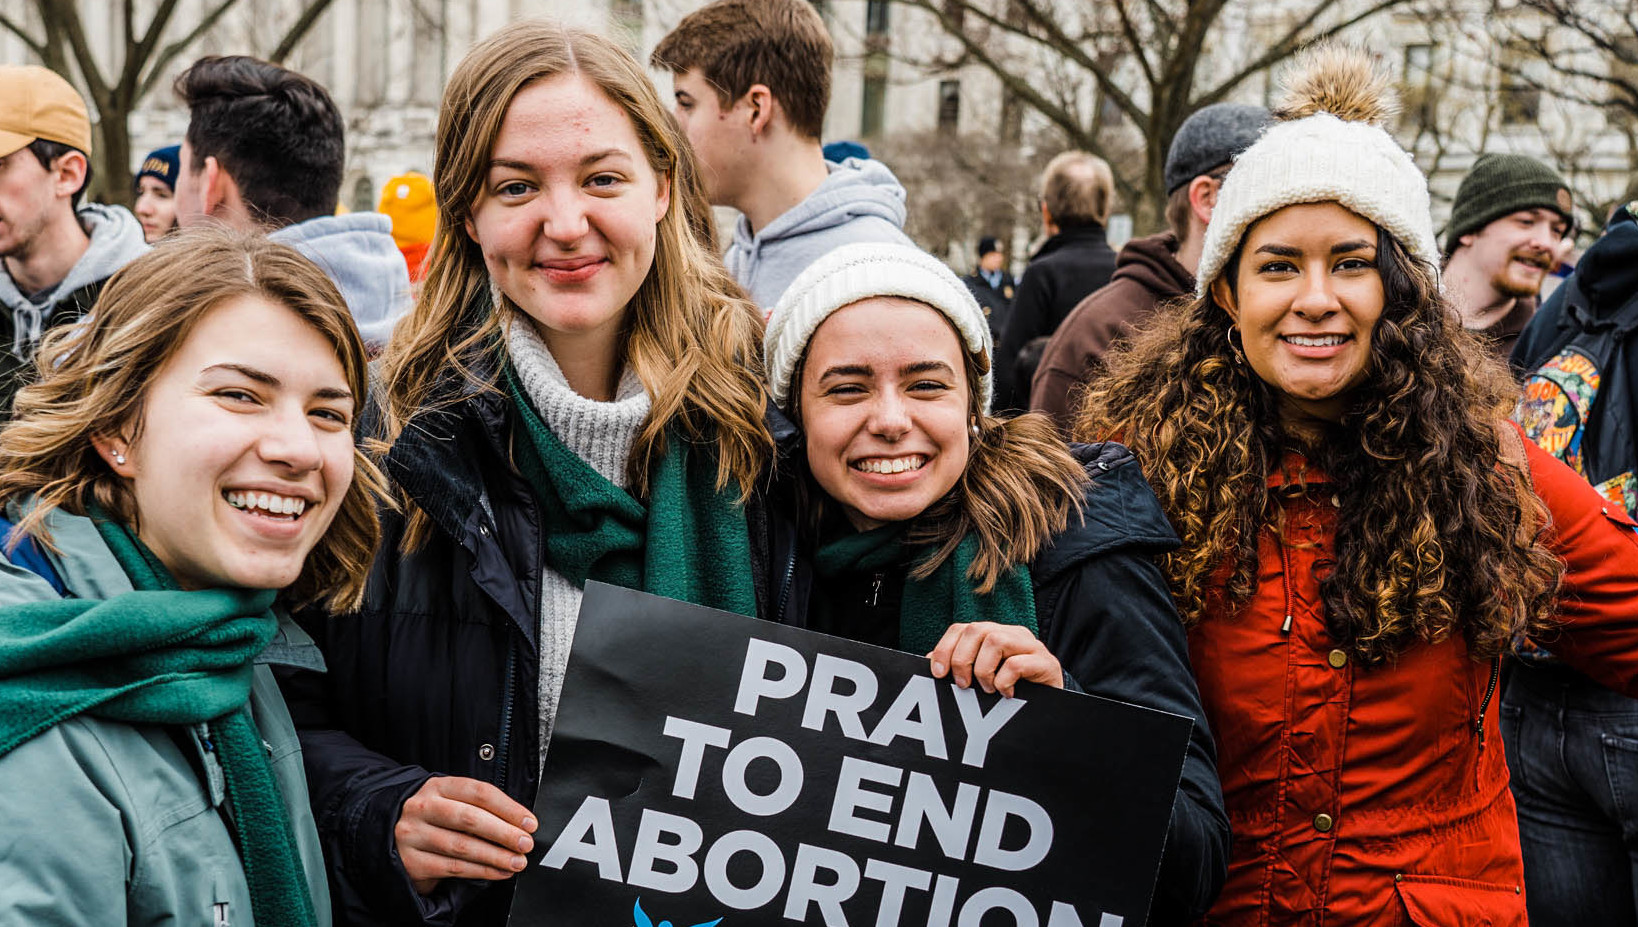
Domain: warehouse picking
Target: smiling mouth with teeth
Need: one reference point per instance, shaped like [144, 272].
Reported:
[1315, 341]
[266, 504]
[891, 464]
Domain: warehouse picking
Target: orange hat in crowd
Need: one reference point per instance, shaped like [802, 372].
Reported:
[408, 200]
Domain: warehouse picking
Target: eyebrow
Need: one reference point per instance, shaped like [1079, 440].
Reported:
[865, 370]
[1346, 247]
[592, 158]
[273, 382]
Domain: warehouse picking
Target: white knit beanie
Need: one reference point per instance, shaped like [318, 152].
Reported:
[1330, 148]
[861, 271]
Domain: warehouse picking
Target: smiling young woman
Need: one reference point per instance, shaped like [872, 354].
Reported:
[1363, 537]
[216, 475]
[912, 518]
[579, 378]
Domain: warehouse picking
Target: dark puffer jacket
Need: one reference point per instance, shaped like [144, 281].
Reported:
[436, 675]
[1104, 610]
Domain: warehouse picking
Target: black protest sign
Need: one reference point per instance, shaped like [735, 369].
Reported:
[709, 768]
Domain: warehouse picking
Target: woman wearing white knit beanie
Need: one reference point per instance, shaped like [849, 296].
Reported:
[918, 521]
[1363, 535]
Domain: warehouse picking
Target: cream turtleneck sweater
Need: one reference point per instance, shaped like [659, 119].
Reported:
[601, 434]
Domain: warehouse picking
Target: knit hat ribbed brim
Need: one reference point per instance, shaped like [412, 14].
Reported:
[857, 272]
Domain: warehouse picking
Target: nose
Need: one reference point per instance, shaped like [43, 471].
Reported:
[564, 221]
[1318, 298]
[290, 442]
[889, 417]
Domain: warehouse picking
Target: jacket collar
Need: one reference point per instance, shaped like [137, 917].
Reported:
[433, 460]
[1120, 513]
[1091, 232]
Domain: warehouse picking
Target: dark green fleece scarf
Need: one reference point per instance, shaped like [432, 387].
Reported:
[930, 605]
[160, 655]
[689, 542]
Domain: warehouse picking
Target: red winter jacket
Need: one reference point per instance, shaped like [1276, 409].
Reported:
[1379, 796]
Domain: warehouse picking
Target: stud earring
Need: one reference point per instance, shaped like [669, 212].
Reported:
[119, 458]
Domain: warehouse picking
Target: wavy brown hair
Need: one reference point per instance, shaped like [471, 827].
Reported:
[1019, 489]
[92, 379]
[1435, 534]
[691, 338]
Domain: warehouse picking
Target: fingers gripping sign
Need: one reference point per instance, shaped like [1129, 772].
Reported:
[996, 656]
[454, 827]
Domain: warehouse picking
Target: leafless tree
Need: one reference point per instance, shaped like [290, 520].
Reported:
[141, 60]
[1148, 63]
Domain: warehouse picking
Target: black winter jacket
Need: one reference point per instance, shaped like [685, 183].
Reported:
[436, 675]
[1066, 269]
[1104, 610]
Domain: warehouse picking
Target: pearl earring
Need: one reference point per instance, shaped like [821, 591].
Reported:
[119, 458]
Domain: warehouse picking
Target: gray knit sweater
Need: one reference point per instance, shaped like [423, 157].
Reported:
[601, 434]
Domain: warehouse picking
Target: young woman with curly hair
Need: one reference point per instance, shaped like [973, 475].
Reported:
[576, 396]
[919, 521]
[1362, 536]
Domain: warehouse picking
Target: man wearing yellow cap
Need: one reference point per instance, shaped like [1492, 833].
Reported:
[55, 252]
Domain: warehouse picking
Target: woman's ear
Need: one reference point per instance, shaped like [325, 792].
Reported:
[115, 452]
[1223, 294]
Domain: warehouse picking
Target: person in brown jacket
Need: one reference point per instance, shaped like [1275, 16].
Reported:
[1149, 271]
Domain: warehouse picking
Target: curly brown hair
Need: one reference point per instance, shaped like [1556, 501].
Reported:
[1437, 532]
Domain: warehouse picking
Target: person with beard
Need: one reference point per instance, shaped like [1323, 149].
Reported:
[1507, 226]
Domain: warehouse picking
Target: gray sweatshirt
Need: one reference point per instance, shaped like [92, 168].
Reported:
[357, 252]
[116, 240]
[859, 201]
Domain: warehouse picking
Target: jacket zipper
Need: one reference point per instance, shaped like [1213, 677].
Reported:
[506, 716]
[785, 587]
[1484, 706]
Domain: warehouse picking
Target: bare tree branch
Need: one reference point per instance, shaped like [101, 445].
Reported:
[299, 30]
[35, 46]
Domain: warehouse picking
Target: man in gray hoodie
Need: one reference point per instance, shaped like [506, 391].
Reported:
[55, 253]
[752, 81]
[264, 150]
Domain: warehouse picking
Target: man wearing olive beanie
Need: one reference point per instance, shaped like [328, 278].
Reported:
[1507, 228]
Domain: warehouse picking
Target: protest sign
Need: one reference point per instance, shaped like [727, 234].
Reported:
[708, 768]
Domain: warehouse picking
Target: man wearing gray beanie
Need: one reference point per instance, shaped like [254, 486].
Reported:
[1506, 231]
[1152, 270]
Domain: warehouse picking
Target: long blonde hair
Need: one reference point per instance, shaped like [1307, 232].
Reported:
[690, 338]
[93, 377]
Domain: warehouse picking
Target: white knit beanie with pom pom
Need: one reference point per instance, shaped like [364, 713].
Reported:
[862, 271]
[1329, 146]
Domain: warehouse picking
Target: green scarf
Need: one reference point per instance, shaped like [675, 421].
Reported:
[930, 605]
[593, 529]
[160, 655]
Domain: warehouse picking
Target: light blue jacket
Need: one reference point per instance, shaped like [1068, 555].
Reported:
[104, 823]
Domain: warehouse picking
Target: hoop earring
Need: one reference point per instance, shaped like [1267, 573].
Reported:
[1238, 349]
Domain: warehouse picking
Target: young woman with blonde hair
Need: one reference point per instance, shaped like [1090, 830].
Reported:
[1363, 536]
[183, 471]
[918, 521]
[576, 395]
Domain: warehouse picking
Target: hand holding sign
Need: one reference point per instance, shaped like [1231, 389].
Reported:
[996, 656]
[721, 768]
[460, 828]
